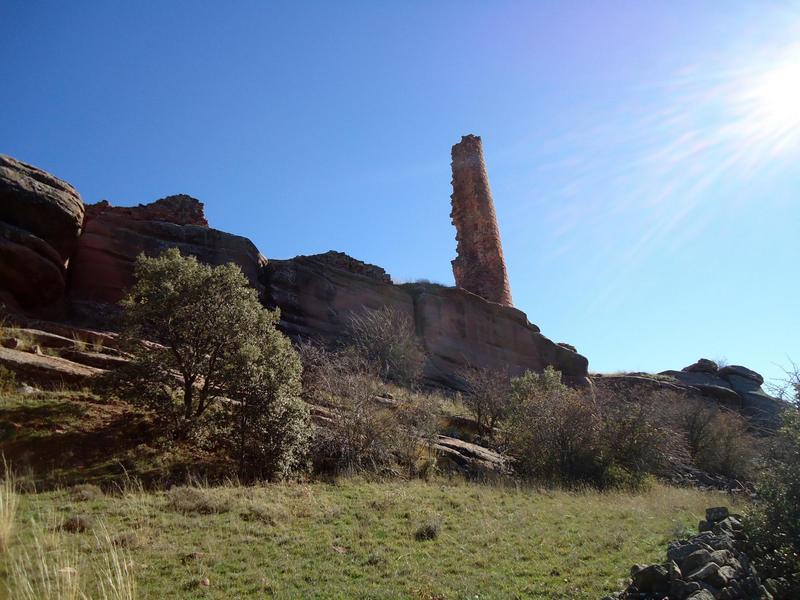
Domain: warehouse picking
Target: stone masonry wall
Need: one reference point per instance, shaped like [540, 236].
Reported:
[479, 266]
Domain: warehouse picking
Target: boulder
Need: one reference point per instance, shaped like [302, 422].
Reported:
[737, 386]
[703, 365]
[102, 268]
[40, 221]
[456, 328]
[38, 202]
[743, 372]
[32, 273]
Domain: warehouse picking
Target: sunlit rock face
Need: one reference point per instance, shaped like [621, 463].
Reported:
[457, 329]
[103, 266]
[40, 222]
[479, 267]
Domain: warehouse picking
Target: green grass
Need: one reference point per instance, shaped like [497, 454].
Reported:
[359, 539]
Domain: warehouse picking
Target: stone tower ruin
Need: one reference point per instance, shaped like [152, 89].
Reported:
[479, 266]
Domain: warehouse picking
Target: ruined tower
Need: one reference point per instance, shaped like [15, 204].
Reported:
[479, 266]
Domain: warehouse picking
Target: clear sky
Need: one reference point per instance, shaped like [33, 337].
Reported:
[644, 156]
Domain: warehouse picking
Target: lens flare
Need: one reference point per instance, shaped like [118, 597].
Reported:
[768, 105]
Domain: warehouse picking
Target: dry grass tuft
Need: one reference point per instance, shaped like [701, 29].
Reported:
[8, 507]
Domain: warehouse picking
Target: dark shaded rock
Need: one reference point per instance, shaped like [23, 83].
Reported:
[703, 365]
[652, 579]
[41, 204]
[32, 274]
[740, 371]
[40, 221]
[695, 561]
[717, 513]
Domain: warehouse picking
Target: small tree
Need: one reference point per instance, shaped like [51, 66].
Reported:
[208, 337]
[196, 318]
[488, 395]
[386, 339]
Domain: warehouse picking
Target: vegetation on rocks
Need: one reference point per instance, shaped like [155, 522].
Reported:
[775, 521]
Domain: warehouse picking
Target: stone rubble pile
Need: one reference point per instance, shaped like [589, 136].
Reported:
[710, 566]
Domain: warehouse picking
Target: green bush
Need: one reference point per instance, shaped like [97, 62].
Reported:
[774, 524]
[205, 351]
[559, 434]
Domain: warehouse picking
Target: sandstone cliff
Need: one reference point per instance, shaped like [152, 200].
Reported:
[44, 228]
[456, 328]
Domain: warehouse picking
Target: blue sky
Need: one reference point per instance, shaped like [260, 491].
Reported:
[643, 155]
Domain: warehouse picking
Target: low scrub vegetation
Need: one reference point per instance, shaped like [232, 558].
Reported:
[774, 523]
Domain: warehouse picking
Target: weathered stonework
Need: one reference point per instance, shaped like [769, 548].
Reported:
[479, 266]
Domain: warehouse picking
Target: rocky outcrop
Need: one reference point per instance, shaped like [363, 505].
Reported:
[103, 265]
[734, 384]
[40, 221]
[711, 565]
[479, 267]
[456, 328]
[46, 370]
[317, 299]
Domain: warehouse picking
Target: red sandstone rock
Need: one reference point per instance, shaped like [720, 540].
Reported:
[456, 328]
[479, 266]
[102, 268]
[40, 221]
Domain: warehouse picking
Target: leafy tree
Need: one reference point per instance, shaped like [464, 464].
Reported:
[196, 319]
[198, 334]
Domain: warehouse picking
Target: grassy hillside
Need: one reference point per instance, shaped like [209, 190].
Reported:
[354, 539]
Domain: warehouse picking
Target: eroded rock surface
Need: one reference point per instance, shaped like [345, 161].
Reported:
[479, 267]
[102, 268]
[456, 328]
[40, 221]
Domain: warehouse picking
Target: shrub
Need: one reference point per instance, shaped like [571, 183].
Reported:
[560, 434]
[632, 442]
[553, 431]
[385, 338]
[197, 318]
[427, 531]
[774, 524]
[267, 425]
[488, 395]
[718, 439]
[361, 433]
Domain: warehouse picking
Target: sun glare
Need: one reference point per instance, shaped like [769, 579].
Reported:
[769, 103]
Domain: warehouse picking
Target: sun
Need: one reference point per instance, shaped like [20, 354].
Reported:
[769, 101]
